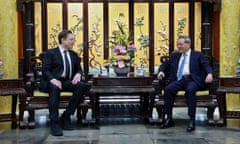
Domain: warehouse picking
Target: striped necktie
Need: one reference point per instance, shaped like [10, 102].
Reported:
[180, 70]
[67, 65]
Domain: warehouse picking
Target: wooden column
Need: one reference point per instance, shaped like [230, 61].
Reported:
[151, 38]
[44, 26]
[105, 29]
[191, 22]
[28, 39]
[171, 27]
[207, 28]
[85, 38]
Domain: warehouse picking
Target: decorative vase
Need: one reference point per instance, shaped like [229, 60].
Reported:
[1, 74]
[121, 71]
[238, 68]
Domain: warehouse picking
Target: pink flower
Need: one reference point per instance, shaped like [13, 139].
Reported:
[132, 47]
[127, 57]
[119, 57]
[118, 48]
[121, 64]
[123, 51]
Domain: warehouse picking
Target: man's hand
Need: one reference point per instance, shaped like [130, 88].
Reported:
[209, 78]
[56, 83]
[160, 75]
[76, 78]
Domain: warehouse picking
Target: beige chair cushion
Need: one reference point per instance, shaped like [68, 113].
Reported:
[199, 93]
[43, 94]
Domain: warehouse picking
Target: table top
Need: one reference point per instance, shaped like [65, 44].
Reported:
[122, 81]
[11, 82]
[10, 78]
[229, 77]
[121, 77]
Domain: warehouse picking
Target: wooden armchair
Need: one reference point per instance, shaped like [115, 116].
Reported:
[205, 98]
[39, 100]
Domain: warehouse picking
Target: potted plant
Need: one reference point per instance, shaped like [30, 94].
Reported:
[122, 57]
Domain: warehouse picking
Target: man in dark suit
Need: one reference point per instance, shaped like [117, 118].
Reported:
[62, 72]
[186, 69]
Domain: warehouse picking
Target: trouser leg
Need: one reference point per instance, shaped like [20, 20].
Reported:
[169, 95]
[78, 91]
[53, 102]
[190, 94]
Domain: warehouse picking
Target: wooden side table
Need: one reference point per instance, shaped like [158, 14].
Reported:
[13, 87]
[228, 84]
[120, 91]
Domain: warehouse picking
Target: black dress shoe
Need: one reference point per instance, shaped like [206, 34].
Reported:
[167, 123]
[191, 126]
[56, 130]
[66, 122]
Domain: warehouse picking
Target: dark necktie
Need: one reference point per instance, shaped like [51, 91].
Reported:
[67, 65]
[180, 70]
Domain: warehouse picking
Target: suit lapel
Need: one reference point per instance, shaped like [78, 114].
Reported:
[191, 61]
[71, 56]
[59, 55]
[178, 59]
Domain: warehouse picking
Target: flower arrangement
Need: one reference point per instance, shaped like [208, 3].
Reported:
[1, 63]
[238, 68]
[122, 46]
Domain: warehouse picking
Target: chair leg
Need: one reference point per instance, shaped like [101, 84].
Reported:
[79, 115]
[159, 109]
[31, 119]
[210, 113]
[84, 110]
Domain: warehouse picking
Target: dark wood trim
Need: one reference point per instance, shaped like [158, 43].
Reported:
[171, 26]
[216, 34]
[65, 14]
[131, 16]
[206, 41]
[28, 41]
[106, 30]
[192, 22]
[131, 21]
[151, 38]
[85, 38]
[19, 5]
[44, 26]
[217, 5]
[20, 34]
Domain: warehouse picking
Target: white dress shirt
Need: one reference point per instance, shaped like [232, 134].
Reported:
[64, 65]
[186, 69]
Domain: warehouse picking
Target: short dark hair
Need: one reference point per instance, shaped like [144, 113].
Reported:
[63, 34]
[186, 39]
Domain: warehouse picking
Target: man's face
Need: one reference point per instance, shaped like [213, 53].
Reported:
[69, 41]
[182, 46]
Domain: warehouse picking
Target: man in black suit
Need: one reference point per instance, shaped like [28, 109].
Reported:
[61, 71]
[186, 73]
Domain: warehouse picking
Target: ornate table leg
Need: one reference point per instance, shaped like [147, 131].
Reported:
[22, 104]
[13, 115]
[221, 100]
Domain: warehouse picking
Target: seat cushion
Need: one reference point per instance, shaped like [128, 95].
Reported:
[43, 94]
[198, 93]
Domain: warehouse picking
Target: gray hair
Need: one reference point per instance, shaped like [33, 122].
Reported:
[186, 39]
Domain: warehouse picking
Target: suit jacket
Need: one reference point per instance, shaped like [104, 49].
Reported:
[199, 67]
[52, 66]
